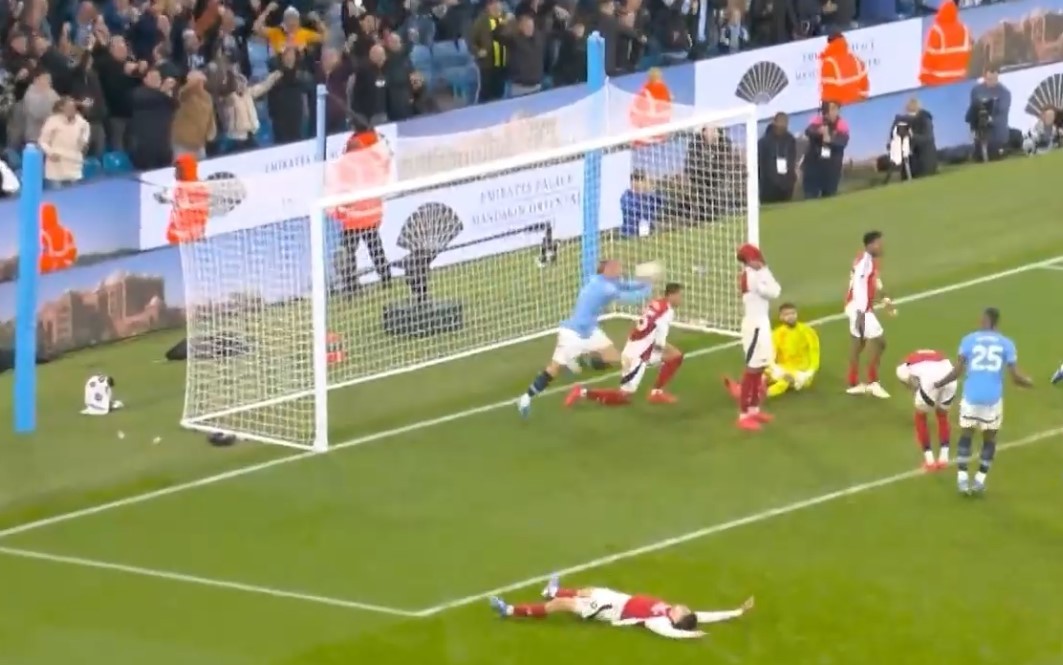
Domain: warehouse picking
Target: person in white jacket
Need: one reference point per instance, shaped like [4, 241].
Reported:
[64, 138]
[620, 609]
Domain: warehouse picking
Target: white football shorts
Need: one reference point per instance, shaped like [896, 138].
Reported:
[872, 326]
[757, 345]
[981, 417]
[570, 346]
[603, 605]
[637, 356]
[928, 398]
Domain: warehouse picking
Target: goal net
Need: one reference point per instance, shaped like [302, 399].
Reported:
[458, 251]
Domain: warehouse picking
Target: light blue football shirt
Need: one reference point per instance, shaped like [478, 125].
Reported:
[987, 355]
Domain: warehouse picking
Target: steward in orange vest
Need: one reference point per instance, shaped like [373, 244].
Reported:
[947, 51]
[191, 203]
[58, 249]
[842, 76]
[651, 106]
[365, 164]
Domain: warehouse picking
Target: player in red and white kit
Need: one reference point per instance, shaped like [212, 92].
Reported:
[865, 329]
[758, 288]
[620, 609]
[647, 346]
[920, 372]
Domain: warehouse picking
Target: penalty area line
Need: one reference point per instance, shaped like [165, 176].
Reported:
[713, 530]
[468, 413]
[201, 581]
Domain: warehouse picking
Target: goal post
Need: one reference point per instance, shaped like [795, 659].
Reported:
[465, 261]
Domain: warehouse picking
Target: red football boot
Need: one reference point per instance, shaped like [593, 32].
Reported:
[574, 395]
[763, 418]
[661, 397]
[748, 423]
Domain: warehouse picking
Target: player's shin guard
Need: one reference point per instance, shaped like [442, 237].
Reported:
[535, 610]
[989, 451]
[540, 383]
[667, 371]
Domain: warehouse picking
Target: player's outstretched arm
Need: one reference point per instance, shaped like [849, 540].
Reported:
[663, 627]
[633, 291]
[725, 615]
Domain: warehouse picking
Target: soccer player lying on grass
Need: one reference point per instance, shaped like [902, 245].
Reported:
[919, 372]
[647, 346]
[796, 356]
[620, 609]
[579, 334]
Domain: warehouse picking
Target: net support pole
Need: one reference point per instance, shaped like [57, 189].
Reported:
[592, 162]
[752, 179]
[29, 251]
[319, 286]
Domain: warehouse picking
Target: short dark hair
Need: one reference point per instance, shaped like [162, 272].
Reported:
[672, 287]
[688, 622]
[787, 305]
[992, 314]
[871, 236]
[638, 174]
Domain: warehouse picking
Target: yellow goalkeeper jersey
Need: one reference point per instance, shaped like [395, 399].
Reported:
[796, 348]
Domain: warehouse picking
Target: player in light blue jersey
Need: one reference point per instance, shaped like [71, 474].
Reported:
[986, 355]
[579, 334]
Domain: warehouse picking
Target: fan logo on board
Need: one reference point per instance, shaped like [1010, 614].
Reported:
[762, 83]
[1047, 95]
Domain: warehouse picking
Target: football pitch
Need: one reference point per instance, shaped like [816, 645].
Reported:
[436, 495]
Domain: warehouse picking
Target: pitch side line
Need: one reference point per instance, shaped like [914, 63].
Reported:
[1053, 266]
[201, 581]
[460, 415]
[713, 530]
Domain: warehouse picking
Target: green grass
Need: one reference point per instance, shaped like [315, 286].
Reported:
[907, 572]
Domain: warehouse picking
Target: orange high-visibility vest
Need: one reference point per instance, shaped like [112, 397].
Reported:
[651, 106]
[947, 51]
[189, 214]
[843, 76]
[366, 164]
[58, 249]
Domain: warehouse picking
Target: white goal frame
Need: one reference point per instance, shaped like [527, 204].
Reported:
[745, 116]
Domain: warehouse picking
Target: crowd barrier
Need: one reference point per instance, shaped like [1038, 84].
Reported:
[127, 281]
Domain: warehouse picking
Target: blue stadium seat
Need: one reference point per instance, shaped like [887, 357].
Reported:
[425, 27]
[116, 162]
[421, 59]
[91, 168]
[464, 81]
[450, 54]
[264, 135]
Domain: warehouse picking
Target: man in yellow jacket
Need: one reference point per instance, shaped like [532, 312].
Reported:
[796, 356]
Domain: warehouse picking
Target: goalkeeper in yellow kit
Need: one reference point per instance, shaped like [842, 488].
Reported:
[796, 356]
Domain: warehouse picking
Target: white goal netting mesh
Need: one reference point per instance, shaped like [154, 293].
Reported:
[480, 246]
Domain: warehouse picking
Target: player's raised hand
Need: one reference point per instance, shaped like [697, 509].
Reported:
[748, 605]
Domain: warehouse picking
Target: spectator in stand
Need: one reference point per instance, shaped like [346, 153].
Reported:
[674, 21]
[526, 50]
[423, 101]
[87, 93]
[192, 56]
[777, 159]
[38, 104]
[491, 54]
[63, 140]
[153, 108]
[119, 75]
[83, 24]
[290, 33]
[571, 65]
[772, 21]
[335, 72]
[287, 99]
[710, 166]
[734, 36]
[239, 115]
[611, 29]
[231, 42]
[828, 136]
[193, 124]
[838, 15]
[369, 95]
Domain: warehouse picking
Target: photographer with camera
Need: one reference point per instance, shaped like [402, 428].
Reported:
[1046, 134]
[911, 148]
[987, 116]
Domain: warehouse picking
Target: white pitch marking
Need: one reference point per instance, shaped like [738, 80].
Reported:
[460, 415]
[1053, 266]
[713, 530]
[201, 581]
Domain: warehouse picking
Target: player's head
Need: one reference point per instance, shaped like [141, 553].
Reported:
[788, 313]
[990, 318]
[609, 268]
[873, 242]
[682, 618]
[673, 293]
[750, 255]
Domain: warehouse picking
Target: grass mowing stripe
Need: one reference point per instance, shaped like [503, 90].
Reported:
[714, 529]
[459, 415]
[201, 581]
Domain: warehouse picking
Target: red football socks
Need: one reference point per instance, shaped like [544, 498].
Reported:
[667, 371]
[752, 385]
[922, 431]
[536, 610]
[566, 593]
[872, 371]
[944, 431]
[608, 396]
[854, 374]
